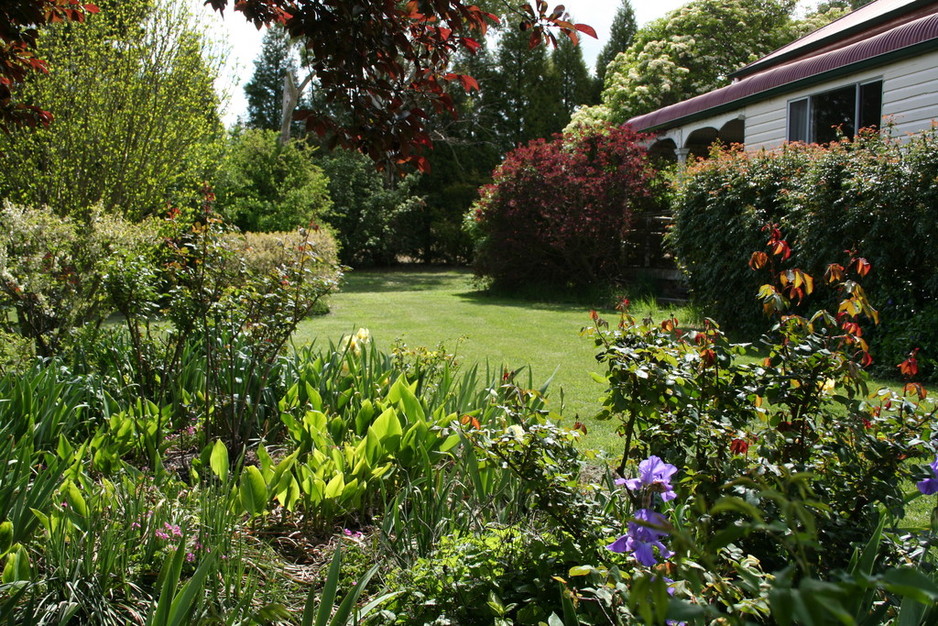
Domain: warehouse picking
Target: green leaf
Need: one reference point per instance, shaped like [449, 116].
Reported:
[17, 567]
[335, 486]
[182, 603]
[75, 500]
[388, 429]
[288, 491]
[219, 460]
[911, 583]
[6, 537]
[581, 570]
[253, 491]
[327, 599]
[403, 393]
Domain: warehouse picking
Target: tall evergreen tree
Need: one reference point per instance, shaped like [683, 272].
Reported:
[523, 91]
[620, 38]
[265, 90]
[571, 78]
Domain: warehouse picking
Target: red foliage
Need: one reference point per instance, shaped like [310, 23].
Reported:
[559, 210]
[383, 60]
[739, 446]
[909, 367]
[19, 21]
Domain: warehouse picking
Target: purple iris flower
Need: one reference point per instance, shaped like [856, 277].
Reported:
[654, 474]
[929, 486]
[644, 535]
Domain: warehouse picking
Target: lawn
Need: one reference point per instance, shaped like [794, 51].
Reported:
[427, 307]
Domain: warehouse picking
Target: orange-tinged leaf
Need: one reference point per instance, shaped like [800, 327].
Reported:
[909, 367]
[917, 389]
[863, 266]
[586, 30]
[758, 260]
[834, 273]
[780, 248]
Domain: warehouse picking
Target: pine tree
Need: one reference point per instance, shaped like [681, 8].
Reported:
[572, 79]
[620, 38]
[523, 91]
[265, 90]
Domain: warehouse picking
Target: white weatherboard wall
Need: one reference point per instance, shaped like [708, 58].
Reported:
[910, 100]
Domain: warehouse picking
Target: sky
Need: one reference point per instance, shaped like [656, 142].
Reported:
[244, 40]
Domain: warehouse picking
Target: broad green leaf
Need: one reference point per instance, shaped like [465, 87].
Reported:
[335, 486]
[403, 393]
[6, 537]
[17, 567]
[253, 491]
[75, 500]
[911, 583]
[267, 464]
[219, 460]
[288, 491]
[388, 429]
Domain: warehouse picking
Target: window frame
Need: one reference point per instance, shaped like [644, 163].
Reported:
[809, 116]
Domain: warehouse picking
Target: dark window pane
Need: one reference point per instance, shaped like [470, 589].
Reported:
[871, 104]
[798, 120]
[833, 110]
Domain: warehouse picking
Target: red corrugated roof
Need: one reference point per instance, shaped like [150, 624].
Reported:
[860, 20]
[902, 38]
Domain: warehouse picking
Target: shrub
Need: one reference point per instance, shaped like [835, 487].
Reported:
[136, 122]
[53, 270]
[559, 209]
[264, 186]
[265, 252]
[369, 213]
[872, 197]
[689, 397]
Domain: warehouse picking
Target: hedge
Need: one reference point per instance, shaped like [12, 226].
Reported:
[872, 197]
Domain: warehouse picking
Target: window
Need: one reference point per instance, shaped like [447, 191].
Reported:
[815, 119]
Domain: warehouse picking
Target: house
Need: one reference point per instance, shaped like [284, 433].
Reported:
[878, 61]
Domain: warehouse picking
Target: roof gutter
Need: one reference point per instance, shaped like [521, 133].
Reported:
[883, 59]
[795, 52]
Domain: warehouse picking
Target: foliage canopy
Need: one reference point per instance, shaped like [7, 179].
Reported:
[132, 91]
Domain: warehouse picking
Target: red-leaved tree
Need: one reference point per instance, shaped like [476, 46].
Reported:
[559, 210]
[19, 24]
[386, 61]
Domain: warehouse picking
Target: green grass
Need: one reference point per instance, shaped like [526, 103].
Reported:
[427, 307]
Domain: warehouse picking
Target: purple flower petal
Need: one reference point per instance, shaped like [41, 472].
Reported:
[643, 553]
[929, 486]
[632, 483]
[619, 545]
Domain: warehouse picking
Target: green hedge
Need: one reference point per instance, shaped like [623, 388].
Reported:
[874, 195]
